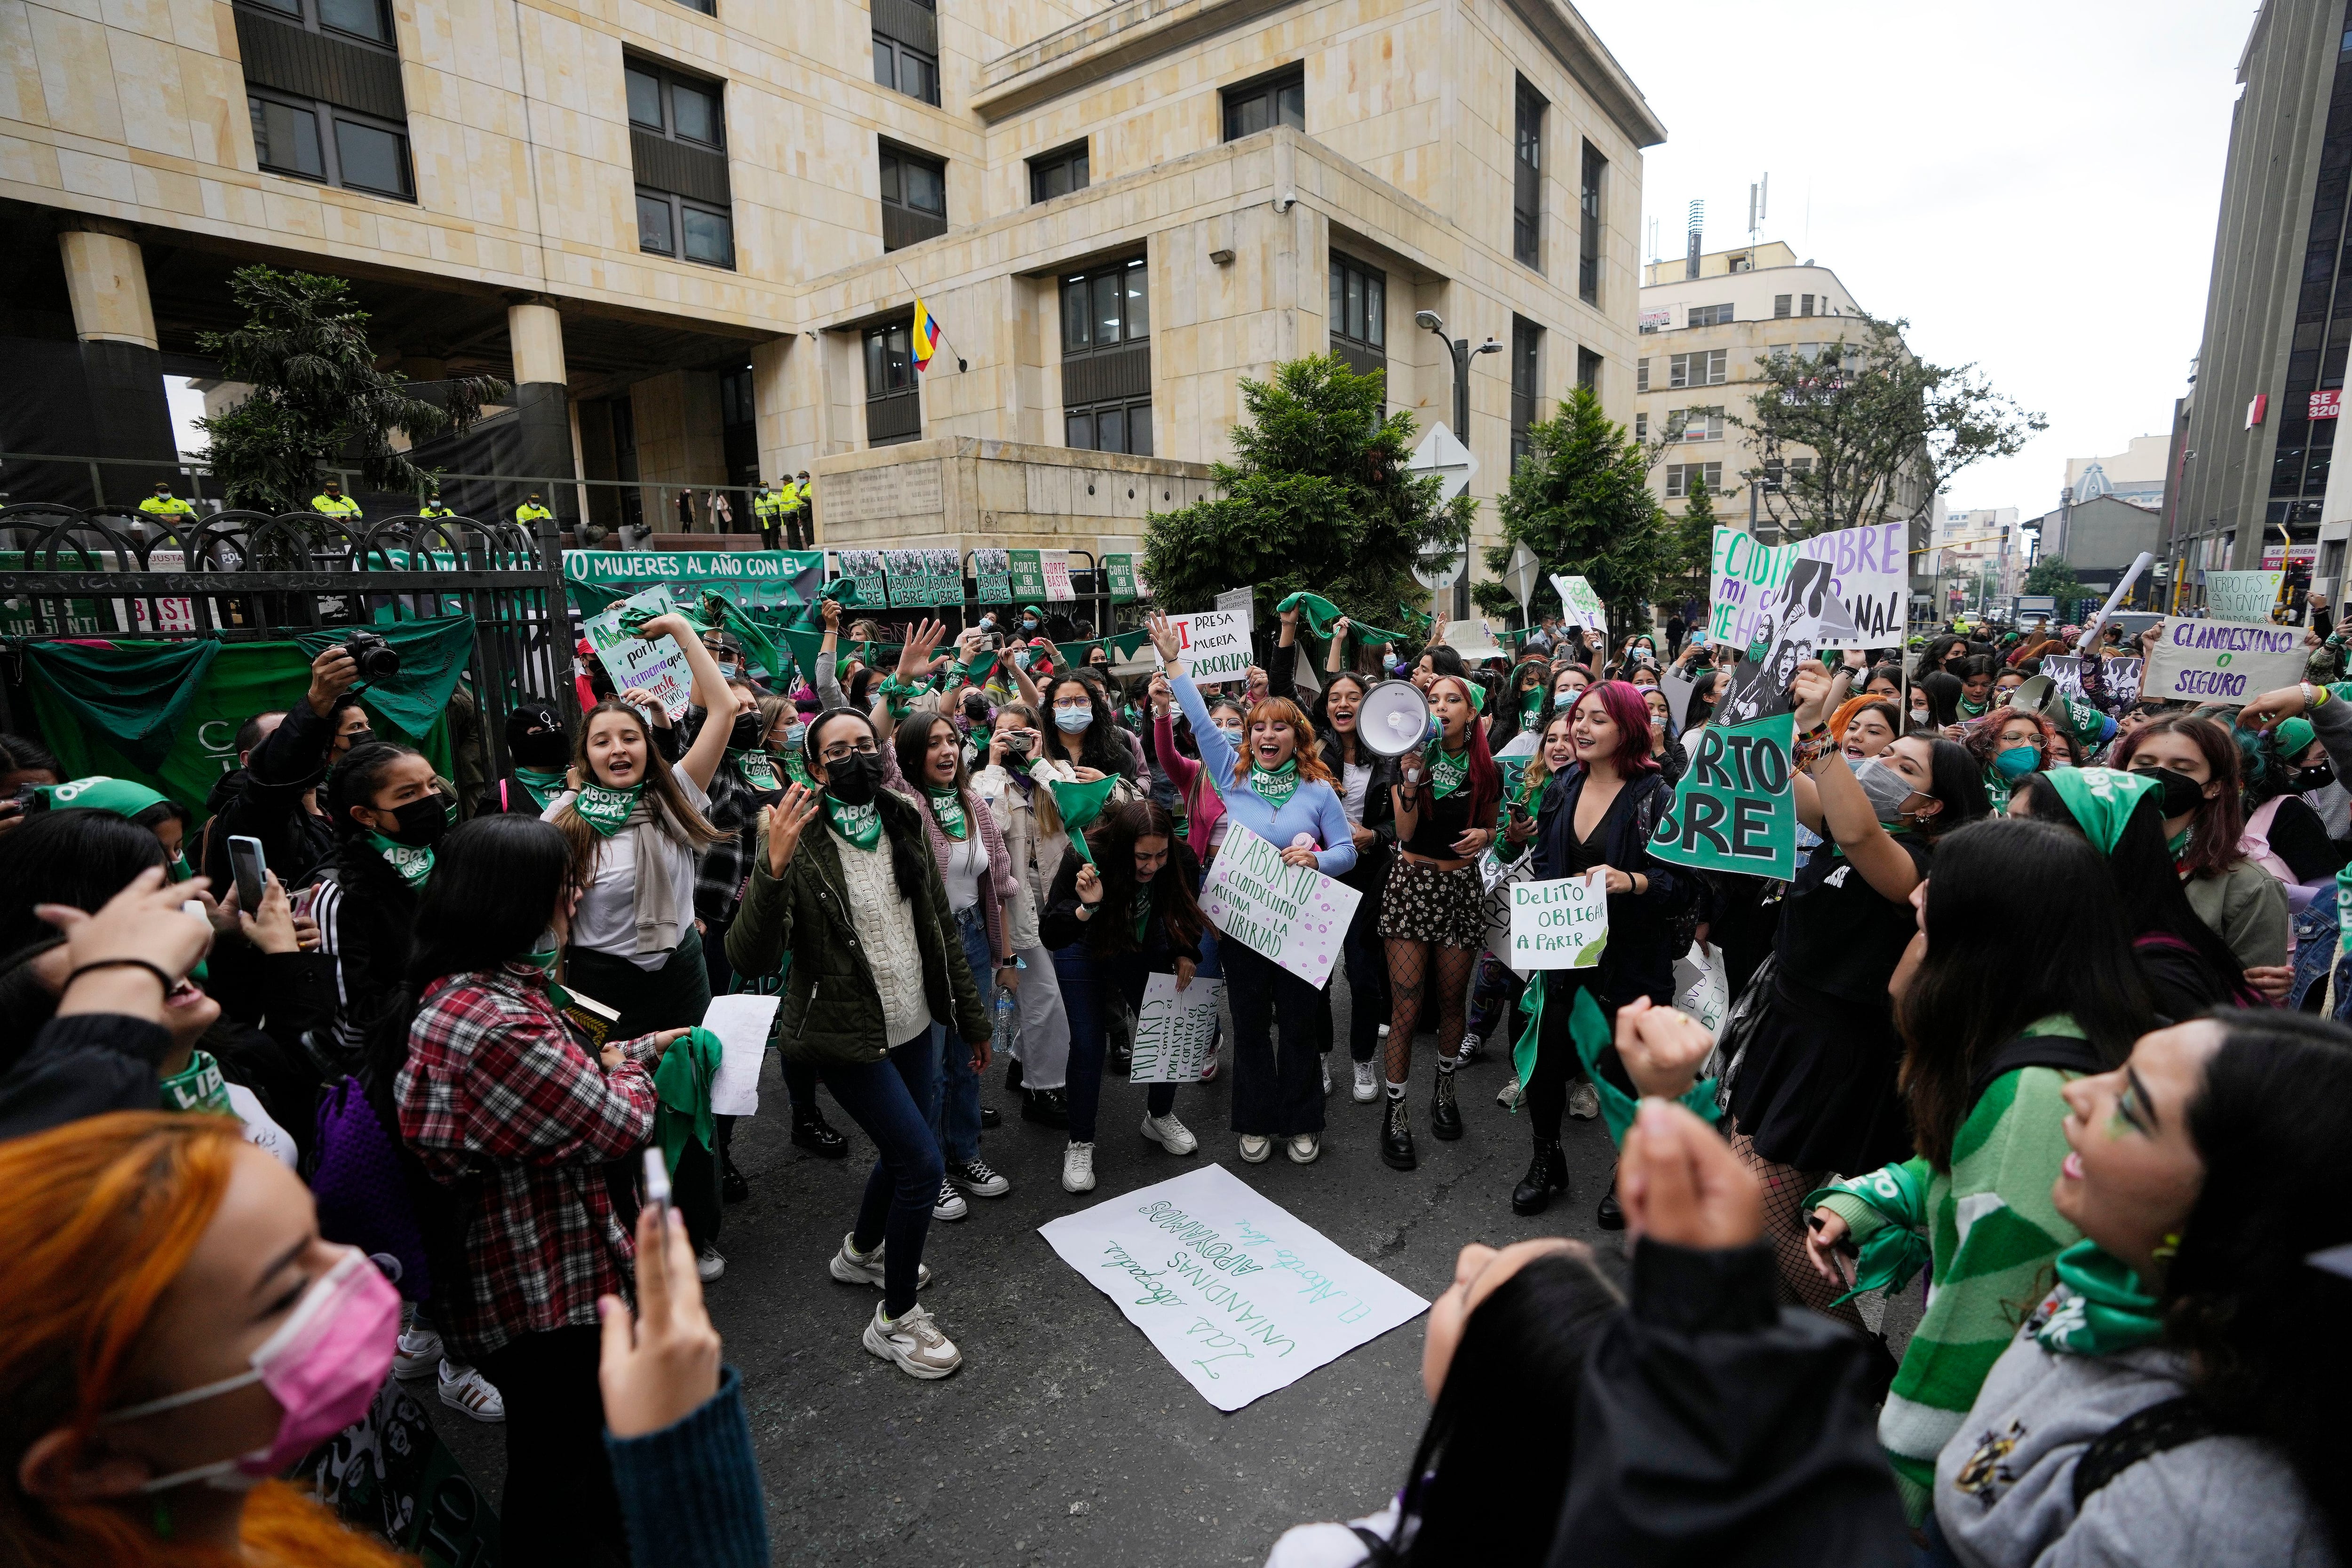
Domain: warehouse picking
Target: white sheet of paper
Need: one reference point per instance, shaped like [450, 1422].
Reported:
[1175, 1029]
[1294, 915]
[1216, 645]
[742, 1024]
[1242, 1297]
[1559, 925]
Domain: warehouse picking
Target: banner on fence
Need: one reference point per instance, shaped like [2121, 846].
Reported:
[992, 571]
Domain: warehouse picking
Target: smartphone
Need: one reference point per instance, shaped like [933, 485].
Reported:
[657, 1185]
[252, 870]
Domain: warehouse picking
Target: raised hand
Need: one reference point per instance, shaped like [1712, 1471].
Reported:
[914, 655]
[786, 820]
[1679, 1181]
[1163, 635]
[1661, 1047]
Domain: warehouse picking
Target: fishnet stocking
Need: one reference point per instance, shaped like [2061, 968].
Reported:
[1785, 1187]
[1409, 964]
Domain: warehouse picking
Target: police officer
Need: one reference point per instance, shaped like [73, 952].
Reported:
[332, 503]
[433, 507]
[532, 512]
[164, 507]
[767, 510]
[799, 522]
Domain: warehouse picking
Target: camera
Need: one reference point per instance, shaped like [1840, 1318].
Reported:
[1016, 742]
[376, 659]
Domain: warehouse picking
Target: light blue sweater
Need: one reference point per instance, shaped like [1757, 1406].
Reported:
[1313, 810]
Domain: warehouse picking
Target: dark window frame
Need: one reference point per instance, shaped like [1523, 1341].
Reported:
[1355, 287]
[892, 159]
[678, 206]
[310, 17]
[1073, 161]
[669, 78]
[1273, 88]
[1527, 382]
[327, 116]
[1588, 367]
[1129, 271]
[1531, 113]
[1591, 200]
[900, 381]
[1128, 409]
[900, 52]
[1117, 370]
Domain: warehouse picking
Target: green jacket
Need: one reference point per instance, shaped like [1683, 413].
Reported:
[832, 1009]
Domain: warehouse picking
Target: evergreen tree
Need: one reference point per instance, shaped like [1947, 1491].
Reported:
[2054, 575]
[1580, 501]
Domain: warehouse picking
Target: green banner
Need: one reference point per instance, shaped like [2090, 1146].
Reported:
[993, 570]
[1028, 572]
[766, 578]
[864, 567]
[947, 577]
[1735, 809]
[1119, 567]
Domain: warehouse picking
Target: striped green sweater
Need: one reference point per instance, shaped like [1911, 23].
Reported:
[1992, 1235]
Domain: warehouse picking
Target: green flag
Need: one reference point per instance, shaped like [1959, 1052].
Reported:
[136, 695]
[1081, 805]
[1735, 809]
[1321, 615]
[433, 654]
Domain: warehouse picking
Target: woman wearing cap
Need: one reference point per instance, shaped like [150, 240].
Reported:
[540, 749]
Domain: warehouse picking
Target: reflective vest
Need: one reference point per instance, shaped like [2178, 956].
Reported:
[800, 497]
[766, 504]
[527, 513]
[161, 507]
[326, 505]
[435, 508]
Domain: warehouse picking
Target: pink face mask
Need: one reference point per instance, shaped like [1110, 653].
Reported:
[323, 1367]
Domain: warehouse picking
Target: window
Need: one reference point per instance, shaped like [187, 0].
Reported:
[1587, 368]
[1276, 100]
[894, 410]
[738, 428]
[1526, 178]
[1360, 333]
[1588, 244]
[1106, 359]
[1642, 375]
[1527, 354]
[677, 140]
[352, 152]
[1710, 315]
[1680, 477]
[1780, 306]
[914, 197]
[1695, 423]
[1640, 427]
[1704, 367]
[906, 47]
[369, 19]
[324, 94]
[1804, 304]
[1057, 173]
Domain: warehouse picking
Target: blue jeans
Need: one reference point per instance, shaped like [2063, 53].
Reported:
[955, 1120]
[1084, 980]
[894, 1101]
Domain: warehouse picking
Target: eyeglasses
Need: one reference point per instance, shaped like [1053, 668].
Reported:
[841, 750]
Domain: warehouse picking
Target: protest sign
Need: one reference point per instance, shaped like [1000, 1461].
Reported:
[1242, 1297]
[1579, 604]
[1125, 571]
[765, 579]
[1027, 570]
[1242, 604]
[1055, 566]
[1559, 925]
[390, 1474]
[1735, 810]
[947, 577]
[863, 568]
[1217, 644]
[2222, 661]
[657, 663]
[2242, 595]
[1294, 915]
[1855, 599]
[1175, 1029]
[2122, 675]
[909, 578]
[742, 1021]
[992, 569]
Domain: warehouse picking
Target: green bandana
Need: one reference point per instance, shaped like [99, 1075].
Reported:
[947, 810]
[1277, 786]
[861, 824]
[1531, 706]
[2179, 842]
[1974, 709]
[1446, 773]
[120, 796]
[2294, 738]
[198, 1086]
[2098, 1308]
[796, 768]
[2102, 800]
[758, 769]
[176, 869]
[542, 784]
[606, 810]
[1142, 910]
[413, 865]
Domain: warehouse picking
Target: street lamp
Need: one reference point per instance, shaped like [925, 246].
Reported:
[1430, 320]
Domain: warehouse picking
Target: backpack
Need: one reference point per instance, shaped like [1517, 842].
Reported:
[2142, 1435]
[362, 1194]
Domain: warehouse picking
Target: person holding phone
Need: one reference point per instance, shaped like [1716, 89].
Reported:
[1012, 787]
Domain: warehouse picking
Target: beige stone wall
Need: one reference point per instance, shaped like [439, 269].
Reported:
[972, 494]
[676, 418]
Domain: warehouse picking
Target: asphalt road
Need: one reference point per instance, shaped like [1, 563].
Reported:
[1066, 1438]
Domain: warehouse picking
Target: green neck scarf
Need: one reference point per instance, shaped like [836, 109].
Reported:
[796, 769]
[1276, 785]
[2102, 800]
[2098, 1308]
[198, 1086]
[1446, 771]
[413, 864]
[1142, 910]
[1975, 710]
[1531, 706]
[861, 824]
[947, 810]
[542, 784]
[759, 770]
[2179, 842]
[606, 810]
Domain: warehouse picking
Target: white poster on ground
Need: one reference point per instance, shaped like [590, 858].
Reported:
[2242, 595]
[660, 665]
[2222, 661]
[1294, 915]
[742, 1023]
[1241, 1296]
[1175, 1029]
[1216, 643]
[1562, 924]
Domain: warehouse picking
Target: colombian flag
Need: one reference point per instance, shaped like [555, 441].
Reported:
[927, 336]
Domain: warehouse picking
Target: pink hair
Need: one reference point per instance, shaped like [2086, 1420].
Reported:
[1622, 701]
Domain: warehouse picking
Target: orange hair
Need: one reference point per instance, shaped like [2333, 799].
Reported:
[106, 1213]
[1283, 710]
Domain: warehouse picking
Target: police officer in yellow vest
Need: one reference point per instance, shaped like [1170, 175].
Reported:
[800, 523]
[332, 503]
[433, 507]
[166, 508]
[765, 504]
[531, 513]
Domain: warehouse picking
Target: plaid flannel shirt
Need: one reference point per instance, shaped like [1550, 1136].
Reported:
[501, 1096]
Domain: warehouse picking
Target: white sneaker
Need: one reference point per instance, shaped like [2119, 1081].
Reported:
[1209, 1064]
[464, 1389]
[851, 1268]
[1078, 1168]
[1510, 1094]
[1170, 1133]
[914, 1341]
[1303, 1148]
[1584, 1101]
[1327, 1075]
[1368, 1084]
[709, 1264]
[417, 1354]
[1254, 1149]
[951, 1205]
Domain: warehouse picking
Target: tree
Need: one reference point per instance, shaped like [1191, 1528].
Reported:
[1688, 547]
[1885, 430]
[2052, 574]
[1580, 501]
[317, 395]
[1317, 496]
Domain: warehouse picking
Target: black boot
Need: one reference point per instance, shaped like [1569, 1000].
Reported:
[1012, 1072]
[810, 1133]
[990, 1117]
[1608, 1217]
[1445, 1116]
[1046, 1107]
[731, 1184]
[1396, 1137]
[1546, 1175]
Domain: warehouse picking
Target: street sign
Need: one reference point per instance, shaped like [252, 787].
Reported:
[1442, 454]
[1444, 571]
[1523, 574]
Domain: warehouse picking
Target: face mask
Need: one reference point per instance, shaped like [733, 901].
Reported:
[358, 738]
[2182, 795]
[1029, 628]
[1232, 732]
[794, 734]
[323, 1367]
[1886, 789]
[1071, 720]
[745, 734]
[2016, 762]
[2316, 778]
[542, 749]
[853, 780]
[420, 824]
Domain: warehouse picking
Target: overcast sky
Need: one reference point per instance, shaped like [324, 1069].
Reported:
[2033, 184]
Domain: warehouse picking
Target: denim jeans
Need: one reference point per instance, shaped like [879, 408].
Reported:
[955, 1121]
[1277, 1071]
[1087, 984]
[893, 1102]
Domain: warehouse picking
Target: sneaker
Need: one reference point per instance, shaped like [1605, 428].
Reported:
[1209, 1064]
[709, 1264]
[1170, 1133]
[417, 1354]
[1368, 1084]
[1584, 1101]
[464, 1389]
[1470, 1049]
[1256, 1149]
[951, 1205]
[1045, 1107]
[851, 1268]
[816, 1135]
[1509, 1095]
[974, 1177]
[1078, 1168]
[1303, 1148]
[990, 1118]
[1326, 1077]
[914, 1341]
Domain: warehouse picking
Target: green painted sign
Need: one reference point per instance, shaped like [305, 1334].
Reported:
[1735, 809]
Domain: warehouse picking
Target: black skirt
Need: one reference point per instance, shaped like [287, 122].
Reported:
[1816, 1087]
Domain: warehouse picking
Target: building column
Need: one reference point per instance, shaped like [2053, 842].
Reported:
[124, 412]
[771, 398]
[543, 403]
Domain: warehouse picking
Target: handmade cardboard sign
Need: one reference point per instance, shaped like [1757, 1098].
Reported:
[2242, 595]
[1735, 809]
[2222, 661]
[657, 663]
[1579, 604]
[1294, 915]
[1174, 1030]
[1852, 597]
[1559, 925]
[1216, 642]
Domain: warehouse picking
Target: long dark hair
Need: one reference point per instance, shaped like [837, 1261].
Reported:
[355, 780]
[910, 846]
[1995, 962]
[1514, 1377]
[1112, 845]
[1485, 778]
[76, 858]
[1954, 778]
[1943, 696]
[666, 801]
[1102, 748]
[1931, 659]
[2214, 831]
[2240, 1296]
[1335, 743]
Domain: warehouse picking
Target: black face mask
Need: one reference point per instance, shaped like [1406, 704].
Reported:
[542, 749]
[2182, 795]
[420, 823]
[853, 780]
[745, 735]
[2317, 776]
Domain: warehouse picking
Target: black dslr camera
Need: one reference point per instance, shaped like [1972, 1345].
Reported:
[377, 661]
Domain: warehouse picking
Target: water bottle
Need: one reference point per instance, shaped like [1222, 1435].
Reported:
[1007, 1017]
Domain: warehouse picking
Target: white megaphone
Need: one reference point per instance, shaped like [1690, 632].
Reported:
[1393, 718]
